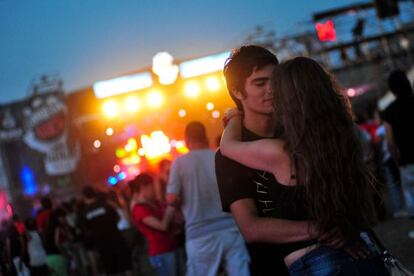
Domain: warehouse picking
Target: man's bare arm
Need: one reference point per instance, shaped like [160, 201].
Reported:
[269, 230]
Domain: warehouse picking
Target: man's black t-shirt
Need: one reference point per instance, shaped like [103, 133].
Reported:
[236, 182]
[101, 220]
[400, 115]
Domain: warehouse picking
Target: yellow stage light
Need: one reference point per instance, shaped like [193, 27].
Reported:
[163, 67]
[133, 143]
[120, 152]
[109, 131]
[128, 148]
[210, 106]
[156, 144]
[110, 108]
[192, 89]
[131, 160]
[132, 104]
[155, 99]
[181, 147]
[212, 83]
[141, 152]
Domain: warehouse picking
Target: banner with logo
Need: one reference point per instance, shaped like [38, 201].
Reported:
[36, 144]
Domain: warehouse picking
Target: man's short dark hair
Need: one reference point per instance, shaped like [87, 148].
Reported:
[399, 84]
[195, 132]
[89, 192]
[241, 64]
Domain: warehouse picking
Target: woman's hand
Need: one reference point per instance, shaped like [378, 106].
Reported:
[229, 114]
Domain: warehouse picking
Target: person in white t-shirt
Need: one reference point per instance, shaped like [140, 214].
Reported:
[35, 249]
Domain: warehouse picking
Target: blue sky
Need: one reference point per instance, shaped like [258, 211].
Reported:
[83, 41]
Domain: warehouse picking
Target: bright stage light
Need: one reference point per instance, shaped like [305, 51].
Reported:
[182, 113]
[180, 147]
[204, 65]
[112, 180]
[210, 106]
[156, 144]
[120, 152]
[131, 145]
[128, 148]
[212, 83]
[164, 68]
[133, 142]
[110, 108]
[121, 176]
[109, 131]
[97, 144]
[132, 104]
[215, 114]
[131, 160]
[117, 168]
[192, 89]
[141, 152]
[155, 99]
[122, 85]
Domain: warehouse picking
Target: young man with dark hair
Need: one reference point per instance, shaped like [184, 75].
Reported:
[243, 190]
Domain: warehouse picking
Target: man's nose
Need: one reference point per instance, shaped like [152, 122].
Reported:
[268, 88]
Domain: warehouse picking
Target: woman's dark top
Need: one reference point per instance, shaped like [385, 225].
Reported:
[284, 202]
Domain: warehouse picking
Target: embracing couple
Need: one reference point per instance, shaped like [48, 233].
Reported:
[290, 168]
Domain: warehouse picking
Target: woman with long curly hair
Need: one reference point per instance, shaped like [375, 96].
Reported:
[317, 165]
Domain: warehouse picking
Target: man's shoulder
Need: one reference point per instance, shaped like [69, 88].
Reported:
[180, 159]
[223, 161]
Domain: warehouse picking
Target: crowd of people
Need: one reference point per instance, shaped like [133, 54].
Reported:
[102, 232]
[295, 182]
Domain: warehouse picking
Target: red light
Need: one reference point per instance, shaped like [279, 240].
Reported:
[326, 31]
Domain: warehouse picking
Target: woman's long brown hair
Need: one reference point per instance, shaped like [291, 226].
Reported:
[322, 140]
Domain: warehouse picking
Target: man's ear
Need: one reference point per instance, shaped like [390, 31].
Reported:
[238, 94]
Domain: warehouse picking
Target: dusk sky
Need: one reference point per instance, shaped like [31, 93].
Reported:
[83, 41]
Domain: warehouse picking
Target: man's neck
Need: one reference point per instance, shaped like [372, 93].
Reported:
[259, 124]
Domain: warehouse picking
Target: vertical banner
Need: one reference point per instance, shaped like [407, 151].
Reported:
[46, 131]
[37, 150]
